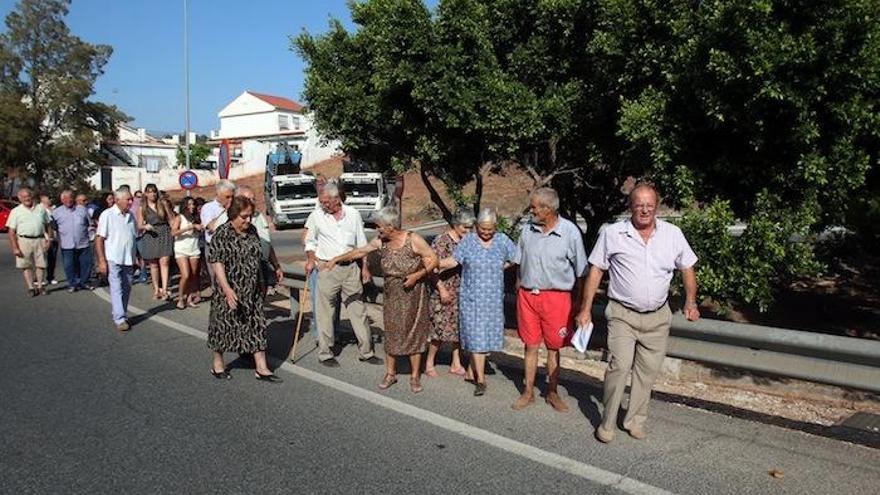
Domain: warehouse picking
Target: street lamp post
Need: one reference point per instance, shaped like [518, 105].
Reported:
[186, 77]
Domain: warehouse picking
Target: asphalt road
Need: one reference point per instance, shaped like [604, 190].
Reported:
[88, 410]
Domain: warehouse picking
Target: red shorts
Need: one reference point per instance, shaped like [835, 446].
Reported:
[544, 317]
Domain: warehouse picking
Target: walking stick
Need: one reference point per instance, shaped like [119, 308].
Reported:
[303, 296]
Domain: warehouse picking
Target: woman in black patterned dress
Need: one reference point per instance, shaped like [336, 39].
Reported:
[237, 322]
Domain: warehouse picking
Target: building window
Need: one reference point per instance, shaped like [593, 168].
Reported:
[296, 123]
[284, 122]
[151, 163]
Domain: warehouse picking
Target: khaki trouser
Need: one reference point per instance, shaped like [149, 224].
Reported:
[347, 280]
[33, 253]
[637, 342]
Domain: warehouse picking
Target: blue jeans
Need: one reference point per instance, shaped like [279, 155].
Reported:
[119, 277]
[77, 266]
[313, 295]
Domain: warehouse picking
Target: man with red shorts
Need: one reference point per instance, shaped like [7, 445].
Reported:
[552, 266]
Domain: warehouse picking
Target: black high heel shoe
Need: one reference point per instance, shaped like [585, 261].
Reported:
[221, 375]
[271, 378]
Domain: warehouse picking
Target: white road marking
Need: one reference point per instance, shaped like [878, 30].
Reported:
[550, 459]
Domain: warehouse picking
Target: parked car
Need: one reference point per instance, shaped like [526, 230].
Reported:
[6, 206]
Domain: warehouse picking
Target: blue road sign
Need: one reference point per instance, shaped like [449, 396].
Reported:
[188, 180]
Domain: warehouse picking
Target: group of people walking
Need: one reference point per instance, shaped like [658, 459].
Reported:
[449, 292]
[452, 292]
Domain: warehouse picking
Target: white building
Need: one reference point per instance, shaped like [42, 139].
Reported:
[136, 158]
[254, 123]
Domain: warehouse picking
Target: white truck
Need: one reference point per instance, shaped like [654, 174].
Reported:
[294, 197]
[366, 192]
[290, 194]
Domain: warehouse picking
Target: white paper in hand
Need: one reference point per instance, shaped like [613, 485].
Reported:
[582, 337]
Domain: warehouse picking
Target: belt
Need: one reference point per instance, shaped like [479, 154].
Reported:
[341, 263]
[641, 312]
[31, 236]
[538, 291]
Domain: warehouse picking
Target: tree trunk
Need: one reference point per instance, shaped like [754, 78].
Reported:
[435, 196]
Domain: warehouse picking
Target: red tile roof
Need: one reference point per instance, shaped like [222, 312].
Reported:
[279, 102]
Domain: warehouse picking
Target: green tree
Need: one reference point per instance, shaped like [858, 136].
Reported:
[197, 154]
[49, 129]
[764, 112]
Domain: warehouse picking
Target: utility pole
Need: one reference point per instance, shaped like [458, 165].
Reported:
[186, 76]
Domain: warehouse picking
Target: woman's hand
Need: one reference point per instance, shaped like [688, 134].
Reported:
[445, 295]
[279, 274]
[231, 298]
[411, 280]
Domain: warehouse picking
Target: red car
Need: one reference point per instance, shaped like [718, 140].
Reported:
[6, 206]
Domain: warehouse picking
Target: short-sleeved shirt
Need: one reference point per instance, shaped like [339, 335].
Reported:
[119, 232]
[73, 226]
[640, 272]
[262, 226]
[329, 237]
[210, 211]
[28, 222]
[551, 261]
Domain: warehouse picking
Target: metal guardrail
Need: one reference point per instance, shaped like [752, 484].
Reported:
[830, 359]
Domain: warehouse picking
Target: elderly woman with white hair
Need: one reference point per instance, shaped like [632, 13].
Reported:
[483, 257]
[444, 297]
[407, 260]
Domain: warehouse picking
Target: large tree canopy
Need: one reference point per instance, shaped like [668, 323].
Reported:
[49, 128]
[767, 112]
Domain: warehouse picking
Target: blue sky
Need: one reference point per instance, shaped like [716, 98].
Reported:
[234, 46]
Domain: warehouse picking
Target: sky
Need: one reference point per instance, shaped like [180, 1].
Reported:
[234, 46]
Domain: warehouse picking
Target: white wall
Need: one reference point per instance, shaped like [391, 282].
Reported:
[313, 150]
[168, 156]
[256, 124]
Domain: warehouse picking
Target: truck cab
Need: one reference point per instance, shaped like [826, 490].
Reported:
[293, 198]
[290, 194]
[365, 192]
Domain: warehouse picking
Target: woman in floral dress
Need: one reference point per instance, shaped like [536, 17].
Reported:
[444, 297]
[407, 260]
[483, 257]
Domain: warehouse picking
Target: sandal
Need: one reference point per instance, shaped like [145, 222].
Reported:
[192, 304]
[457, 371]
[221, 375]
[415, 385]
[431, 372]
[387, 381]
[479, 389]
[181, 305]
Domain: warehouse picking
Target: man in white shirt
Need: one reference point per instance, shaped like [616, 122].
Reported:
[115, 246]
[213, 214]
[333, 230]
[640, 254]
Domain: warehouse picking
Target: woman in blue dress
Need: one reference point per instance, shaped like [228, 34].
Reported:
[483, 257]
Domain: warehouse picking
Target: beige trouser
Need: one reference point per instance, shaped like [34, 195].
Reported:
[636, 342]
[347, 280]
[33, 253]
